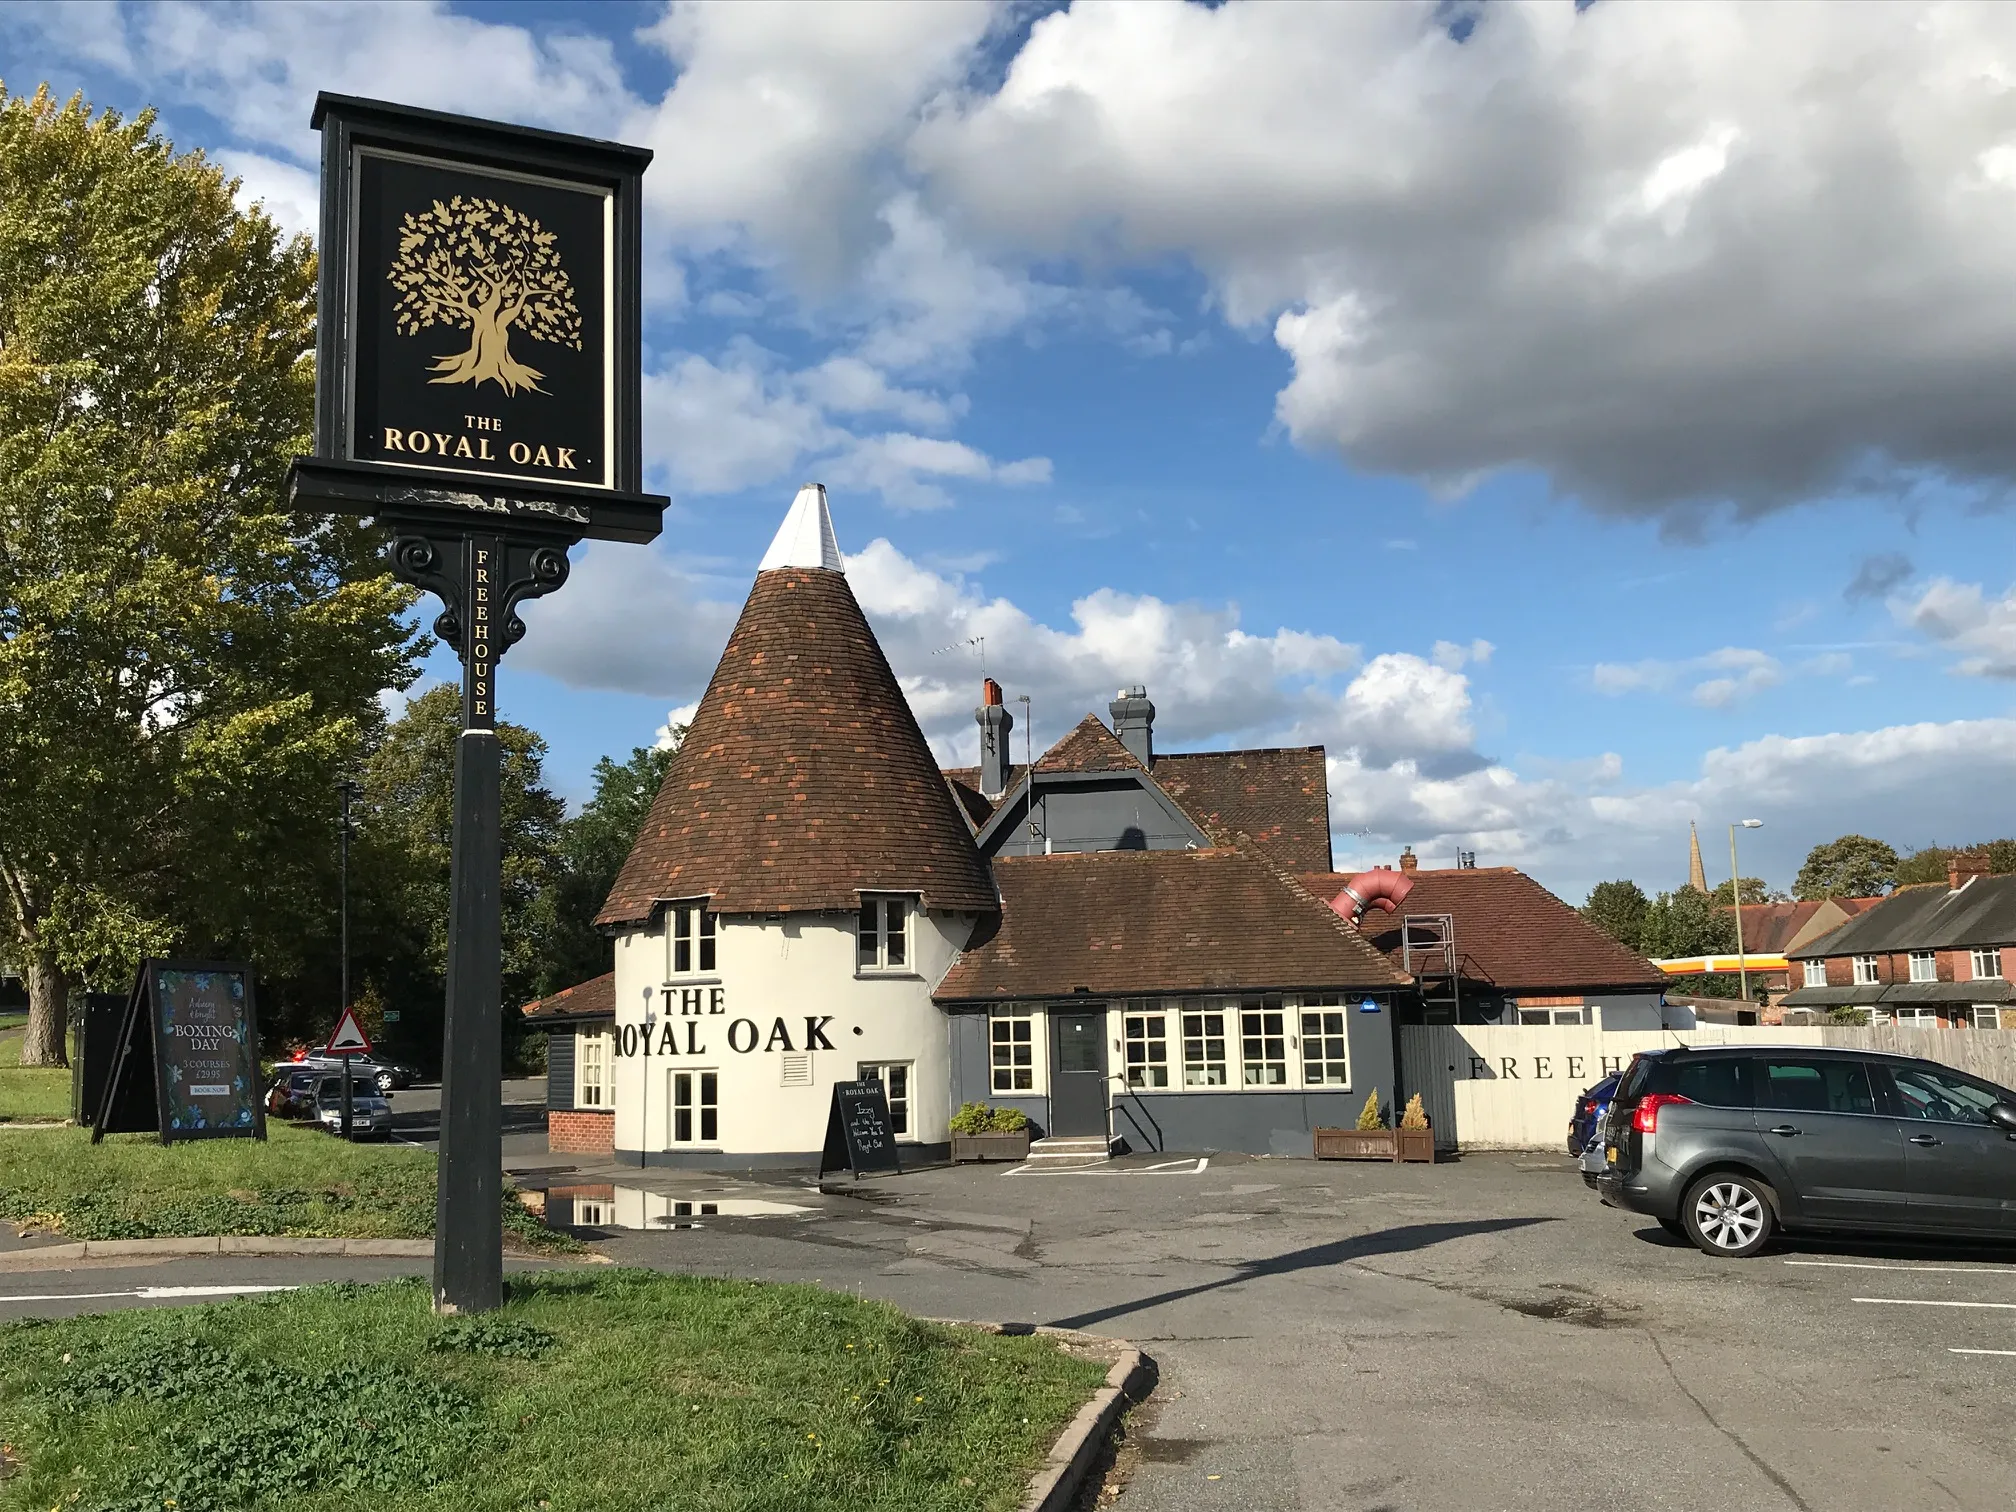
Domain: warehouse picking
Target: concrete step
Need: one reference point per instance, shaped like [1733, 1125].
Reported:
[1070, 1151]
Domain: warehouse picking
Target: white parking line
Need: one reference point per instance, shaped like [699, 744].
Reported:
[1947, 1270]
[1920, 1302]
[1184, 1167]
[151, 1293]
[1983, 1351]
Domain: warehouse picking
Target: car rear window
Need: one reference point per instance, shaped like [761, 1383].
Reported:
[1720, 1081]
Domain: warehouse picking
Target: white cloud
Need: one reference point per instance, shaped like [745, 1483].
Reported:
[1962, 618]
[1667, 255]
[1740, 673]
[291, 195]
[629, 621]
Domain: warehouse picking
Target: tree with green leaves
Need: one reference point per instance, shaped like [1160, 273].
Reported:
[1853, 866]
[1620, 909]
[593, 846]
[1929, 863]
[184, 666]
[1685, 922]
[1755, 890]
[406, 830]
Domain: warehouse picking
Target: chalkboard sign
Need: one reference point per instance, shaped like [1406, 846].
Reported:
[191, 1039]
[858, 1136]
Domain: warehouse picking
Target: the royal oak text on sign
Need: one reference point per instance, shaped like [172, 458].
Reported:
[482, 317]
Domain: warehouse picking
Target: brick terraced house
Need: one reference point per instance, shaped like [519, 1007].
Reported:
[1928, 954]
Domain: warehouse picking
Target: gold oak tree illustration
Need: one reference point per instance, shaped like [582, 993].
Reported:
[479, 266]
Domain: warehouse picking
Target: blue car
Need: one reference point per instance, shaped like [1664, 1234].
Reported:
[1588, 1116]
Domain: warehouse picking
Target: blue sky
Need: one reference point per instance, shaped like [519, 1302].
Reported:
[1580, 422]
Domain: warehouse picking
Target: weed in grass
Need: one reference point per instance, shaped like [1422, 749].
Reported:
[493, 1336]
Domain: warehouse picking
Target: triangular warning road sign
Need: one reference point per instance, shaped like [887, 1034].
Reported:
[349, 1038]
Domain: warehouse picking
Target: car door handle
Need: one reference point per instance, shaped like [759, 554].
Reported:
[1923, 1139]
[1787, 1130]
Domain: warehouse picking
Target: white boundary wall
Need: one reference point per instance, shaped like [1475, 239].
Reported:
[1492, 1087]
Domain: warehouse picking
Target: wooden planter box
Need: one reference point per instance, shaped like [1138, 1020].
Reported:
[1375, 1144]
[1001, 1146]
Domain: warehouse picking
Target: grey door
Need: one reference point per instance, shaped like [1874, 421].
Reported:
[1845, 1155]
[1962, 1168]
[1078, 1074]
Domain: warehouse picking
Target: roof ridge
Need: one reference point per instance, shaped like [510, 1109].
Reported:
[1092, 730]
[1252, 852]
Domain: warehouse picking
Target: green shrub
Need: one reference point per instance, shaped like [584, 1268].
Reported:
[1369, 1117]
[1008, 1121]
[972, 1118]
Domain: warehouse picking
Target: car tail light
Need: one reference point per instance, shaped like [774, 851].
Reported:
[1588, 1105]
[1645, 1117]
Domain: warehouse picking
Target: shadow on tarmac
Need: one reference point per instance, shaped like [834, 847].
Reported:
[1393, 1241]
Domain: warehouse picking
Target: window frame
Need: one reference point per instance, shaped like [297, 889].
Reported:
[1319, 1006]
[1140, 1014]
[1868, 970]
[1992, 954]
[1253, 1014]
[1013, 1016]
[1816, 973]
[596, 1046]
[1993, 1019]
[1929, 960]
[902, 1101]
[691, 926]
[697, 1107]
[875, 960]
[1202, 1010]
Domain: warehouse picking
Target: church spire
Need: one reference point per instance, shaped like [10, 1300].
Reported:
[1697, 875]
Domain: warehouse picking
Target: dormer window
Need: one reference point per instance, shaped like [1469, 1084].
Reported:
[689, 936]
[884, 935]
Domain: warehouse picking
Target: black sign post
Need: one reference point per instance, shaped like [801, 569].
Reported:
[477, 391]
[186, 1059]
[858, 1134]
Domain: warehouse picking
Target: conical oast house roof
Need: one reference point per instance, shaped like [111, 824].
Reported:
[803, 780]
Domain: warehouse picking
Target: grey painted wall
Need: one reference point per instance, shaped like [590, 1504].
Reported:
[560, 1070]
[968, 1033]
[1257, 1123]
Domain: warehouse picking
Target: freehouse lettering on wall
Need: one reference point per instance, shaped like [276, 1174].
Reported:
[684, 1028]
[1540, 1067]
[483, 321]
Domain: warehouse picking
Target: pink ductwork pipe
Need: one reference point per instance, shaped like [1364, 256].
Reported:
[1384, 890]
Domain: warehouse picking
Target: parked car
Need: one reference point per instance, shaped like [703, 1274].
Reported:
[1588, 1114]
[1724, 1146]
[386, 1076]
[370, 1113]
[291, 1091]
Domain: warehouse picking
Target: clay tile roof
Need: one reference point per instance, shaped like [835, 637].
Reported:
[1278, 799]
[1134, 922]
[1769, 927]
[595, 998]
[803, 778]
[974, 804]
[1090, 747]
[1510, 931]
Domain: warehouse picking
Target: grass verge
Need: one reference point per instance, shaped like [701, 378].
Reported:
[299, 1183]
[624, 1389]
[28, 1092]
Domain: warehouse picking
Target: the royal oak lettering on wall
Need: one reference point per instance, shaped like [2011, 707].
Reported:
[686, 1031]
[480, 320]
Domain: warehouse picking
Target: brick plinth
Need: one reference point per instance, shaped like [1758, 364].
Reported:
[580, 1133]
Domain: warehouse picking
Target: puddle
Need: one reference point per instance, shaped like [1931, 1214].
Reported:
[626, 1207]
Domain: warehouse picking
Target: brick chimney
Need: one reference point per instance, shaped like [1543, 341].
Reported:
[1134, 722]
[995, 724]
[1409, 863]
[1962, 869]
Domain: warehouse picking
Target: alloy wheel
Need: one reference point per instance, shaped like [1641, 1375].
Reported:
[1729, 1215]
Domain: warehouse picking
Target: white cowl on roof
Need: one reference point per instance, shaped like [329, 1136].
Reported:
[805, 539]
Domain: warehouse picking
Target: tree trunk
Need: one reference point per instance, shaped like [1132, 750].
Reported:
[48, 1013]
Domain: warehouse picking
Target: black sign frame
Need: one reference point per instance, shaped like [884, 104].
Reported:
[139, 1077]
[859, 1137]
[419, 496]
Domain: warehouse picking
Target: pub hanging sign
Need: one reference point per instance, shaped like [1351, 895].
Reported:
[479, 345]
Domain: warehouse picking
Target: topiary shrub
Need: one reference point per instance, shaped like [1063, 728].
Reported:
[1369, 1117]
[1007, 1121]
[1416, 1116]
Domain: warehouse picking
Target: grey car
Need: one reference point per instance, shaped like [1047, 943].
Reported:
[1723, 1146]
[370, 1113]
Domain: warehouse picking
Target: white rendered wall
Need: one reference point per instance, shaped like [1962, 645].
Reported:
[788, 970]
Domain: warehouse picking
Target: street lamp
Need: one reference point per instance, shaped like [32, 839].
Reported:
[1736, 902]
